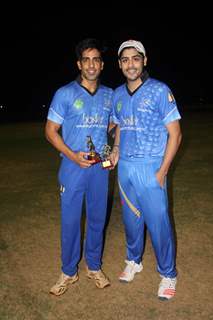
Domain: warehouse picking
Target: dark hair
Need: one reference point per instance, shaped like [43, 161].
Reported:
[89, 43]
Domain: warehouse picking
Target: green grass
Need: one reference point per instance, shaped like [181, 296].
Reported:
[30, 234]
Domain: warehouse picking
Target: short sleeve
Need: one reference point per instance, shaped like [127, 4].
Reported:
[167, 107]
[57, 110]
[115, 109]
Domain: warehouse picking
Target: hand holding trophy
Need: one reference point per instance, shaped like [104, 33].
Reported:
[93, 155]
[103, 158]
[106, 162]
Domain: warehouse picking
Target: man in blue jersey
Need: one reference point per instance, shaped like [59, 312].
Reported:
[148, 120]
[81, 108]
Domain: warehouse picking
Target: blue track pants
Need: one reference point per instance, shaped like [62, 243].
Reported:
[75, 184]
[144, 202]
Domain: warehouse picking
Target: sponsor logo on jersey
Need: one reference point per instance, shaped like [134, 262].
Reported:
[96, 119]
[92, 121]
[78, 104]
[130, 121]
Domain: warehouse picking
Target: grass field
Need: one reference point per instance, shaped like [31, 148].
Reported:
[30, 235]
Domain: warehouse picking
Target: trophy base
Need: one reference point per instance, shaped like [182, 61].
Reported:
[107, 164]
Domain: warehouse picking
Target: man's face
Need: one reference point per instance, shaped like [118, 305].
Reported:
[132, 63]
[90, 64]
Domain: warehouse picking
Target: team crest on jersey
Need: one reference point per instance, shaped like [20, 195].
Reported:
[171, 97]
[107, 102]
[78, 104]
[119, 106]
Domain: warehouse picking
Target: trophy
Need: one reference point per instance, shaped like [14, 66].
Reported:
[93, 155]
[105, 161]
[103, 157]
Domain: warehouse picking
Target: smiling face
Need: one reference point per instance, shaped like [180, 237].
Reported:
[90, 65]
[132, 64]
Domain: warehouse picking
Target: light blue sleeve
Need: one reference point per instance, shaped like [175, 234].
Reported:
[168, 108]
[111, 106]
[58, 106]
[115, 115]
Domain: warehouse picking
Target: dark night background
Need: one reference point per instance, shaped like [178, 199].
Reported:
[37, 51]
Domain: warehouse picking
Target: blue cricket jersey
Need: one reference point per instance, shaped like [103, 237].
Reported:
[81, 114]
[143, 117]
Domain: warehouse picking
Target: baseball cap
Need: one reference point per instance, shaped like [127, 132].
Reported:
[132, 43]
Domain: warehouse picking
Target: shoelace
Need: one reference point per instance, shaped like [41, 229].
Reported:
[168, 282]
[130, 265]
[100, 275]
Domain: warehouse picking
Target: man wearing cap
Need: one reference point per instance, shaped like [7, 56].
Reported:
[149, 134]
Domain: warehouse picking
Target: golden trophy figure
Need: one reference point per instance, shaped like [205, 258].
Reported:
[93, 155]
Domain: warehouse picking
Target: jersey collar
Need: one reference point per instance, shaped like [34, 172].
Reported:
[79, 81]
[144, 77]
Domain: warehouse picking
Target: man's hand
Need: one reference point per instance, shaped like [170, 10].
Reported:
[52, 135]
[81, 159]
[173, 144]
[114, 156]
[160, 178]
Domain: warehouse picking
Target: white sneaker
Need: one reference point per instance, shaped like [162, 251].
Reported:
[166, 289]
[130, 270]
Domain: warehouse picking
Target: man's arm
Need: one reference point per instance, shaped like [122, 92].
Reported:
[53, 136]
[111, 126]
[114, 157]
[173, 144]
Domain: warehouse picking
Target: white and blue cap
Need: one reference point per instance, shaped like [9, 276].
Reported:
[134, 44]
